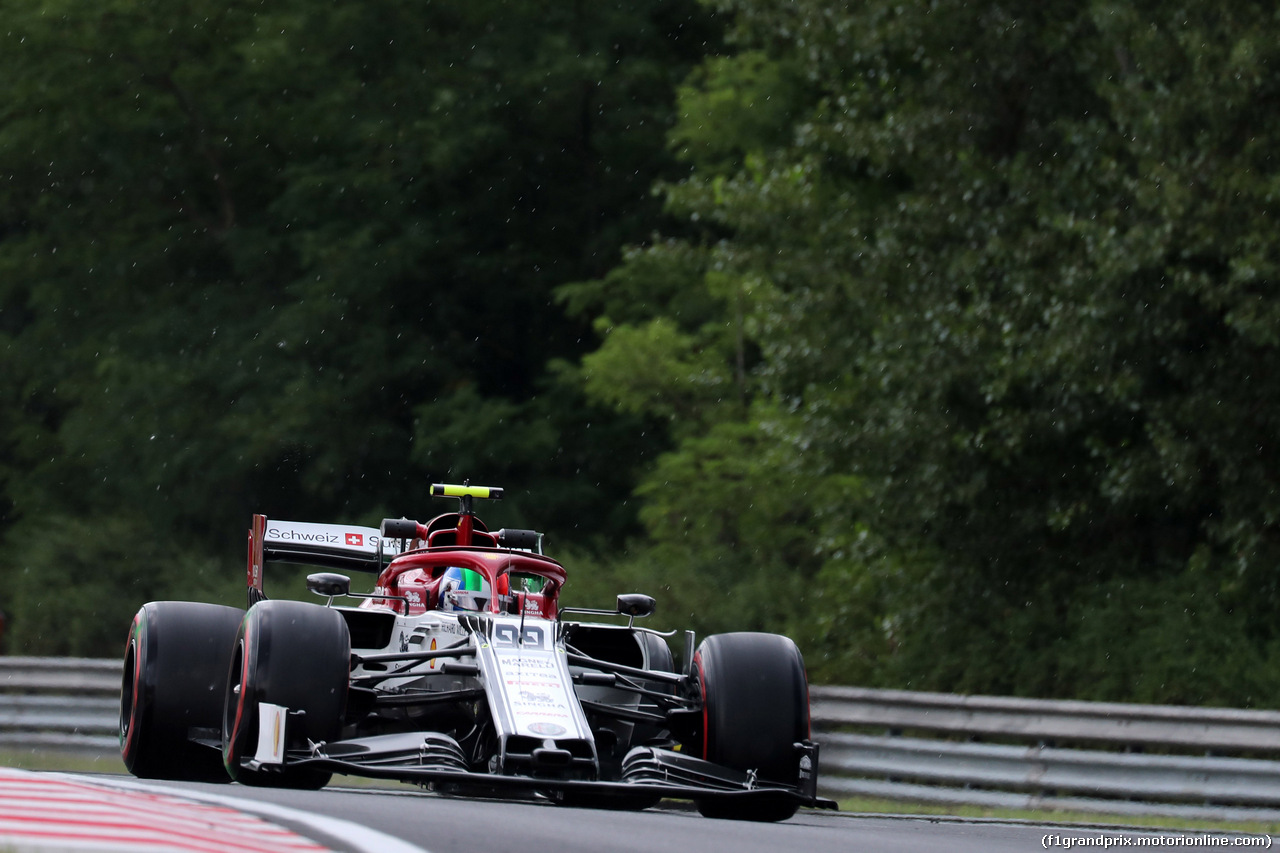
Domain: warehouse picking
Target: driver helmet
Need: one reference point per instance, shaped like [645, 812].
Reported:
[463, 589]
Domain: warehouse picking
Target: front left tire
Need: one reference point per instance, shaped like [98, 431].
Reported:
[293, 654]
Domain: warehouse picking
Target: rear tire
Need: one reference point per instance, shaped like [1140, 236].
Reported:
[175, 675]
[658, 658]
[293, 654]
[755, 709]
[656, 652]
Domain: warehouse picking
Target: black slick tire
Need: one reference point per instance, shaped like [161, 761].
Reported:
[175, 675]
[755, 709]
[293, 654]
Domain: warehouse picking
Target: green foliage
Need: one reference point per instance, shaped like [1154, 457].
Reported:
[733, 106]
[727, 515]
[81, 581]
[299, 260]
[951, 357]
[655, 369]
[1007, 270]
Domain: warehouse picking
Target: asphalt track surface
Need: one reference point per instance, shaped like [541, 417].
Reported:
[418, 821]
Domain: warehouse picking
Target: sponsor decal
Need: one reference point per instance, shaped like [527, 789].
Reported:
[518, 664]
[536, 698]
[338, 536]
[279, 535]
[547, 729]
[433, 648]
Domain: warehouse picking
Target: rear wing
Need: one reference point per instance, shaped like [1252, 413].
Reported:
[332, 546]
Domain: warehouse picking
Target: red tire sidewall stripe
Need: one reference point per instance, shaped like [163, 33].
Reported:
[137, 641]
[706, 726]
[231, 748]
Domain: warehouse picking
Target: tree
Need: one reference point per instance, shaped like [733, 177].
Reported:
[272, 259]
[1012, 268]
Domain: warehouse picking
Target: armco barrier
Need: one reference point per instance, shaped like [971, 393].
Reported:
[1067, 754]
[1035, 720]
[917, 746]
[60, 703]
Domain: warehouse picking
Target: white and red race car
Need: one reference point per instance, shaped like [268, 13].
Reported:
[460, 671]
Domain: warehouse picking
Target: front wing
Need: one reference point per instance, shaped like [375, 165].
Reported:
[646, 772]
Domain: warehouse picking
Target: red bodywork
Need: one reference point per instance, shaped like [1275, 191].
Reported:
[461, 540]
[415, 576]
[411, 580]
[257, 532]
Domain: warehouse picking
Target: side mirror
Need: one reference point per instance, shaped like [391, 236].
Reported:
[329, 584]
[635, 605]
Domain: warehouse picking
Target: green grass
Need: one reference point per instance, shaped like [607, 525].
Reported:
[67, 762]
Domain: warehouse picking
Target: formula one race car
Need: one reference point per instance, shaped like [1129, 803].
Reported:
[461, 672]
